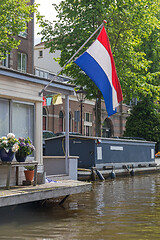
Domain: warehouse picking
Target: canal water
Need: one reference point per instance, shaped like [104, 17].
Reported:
[124, 208]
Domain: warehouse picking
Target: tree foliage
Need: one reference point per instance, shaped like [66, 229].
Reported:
[131, 26]
[144, 121]
[14, 15]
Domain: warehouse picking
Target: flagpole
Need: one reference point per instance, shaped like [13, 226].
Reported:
[72, 57]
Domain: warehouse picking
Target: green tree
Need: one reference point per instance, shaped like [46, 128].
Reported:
[14, 15]
[144, 121]
[129, 24]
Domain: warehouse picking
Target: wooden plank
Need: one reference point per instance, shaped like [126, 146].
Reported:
[8, 177]
[25, 194]
[14, 88]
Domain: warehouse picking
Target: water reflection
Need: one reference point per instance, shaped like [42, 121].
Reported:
[126, 208]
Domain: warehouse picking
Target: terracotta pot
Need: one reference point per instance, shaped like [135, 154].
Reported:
[29, 174]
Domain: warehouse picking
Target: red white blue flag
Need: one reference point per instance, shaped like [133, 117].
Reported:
[98, 63]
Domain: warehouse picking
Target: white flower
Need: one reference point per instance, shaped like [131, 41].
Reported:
[10, 135]
[5, 142]
[3, 138]
[15, 147]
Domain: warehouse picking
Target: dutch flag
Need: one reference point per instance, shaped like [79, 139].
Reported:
[98, 63]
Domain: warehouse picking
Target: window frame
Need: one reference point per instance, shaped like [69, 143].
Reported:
[88, 129]
[10, 111]
[21, 62]
[45, 119]
[88, 117]
[5, 60]
[61, 121]
[24, 34]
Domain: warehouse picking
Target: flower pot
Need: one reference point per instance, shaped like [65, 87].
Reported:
[29, 174]
[20, 157]
[6, 156]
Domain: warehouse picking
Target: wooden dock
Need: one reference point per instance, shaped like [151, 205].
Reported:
[25, 194]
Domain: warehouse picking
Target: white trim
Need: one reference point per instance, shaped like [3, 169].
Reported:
[89, 124]
[116, 148]
[18, 101]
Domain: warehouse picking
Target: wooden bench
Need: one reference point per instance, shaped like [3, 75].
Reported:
[17, 165]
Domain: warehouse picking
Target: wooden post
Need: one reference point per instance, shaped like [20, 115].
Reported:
[8, 177]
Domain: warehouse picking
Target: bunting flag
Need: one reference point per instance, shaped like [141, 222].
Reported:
[57, 99]
[98, 63]
[48, 101]
[44, 101]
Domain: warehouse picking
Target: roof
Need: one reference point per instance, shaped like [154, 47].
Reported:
[40, 44]
[60, 87]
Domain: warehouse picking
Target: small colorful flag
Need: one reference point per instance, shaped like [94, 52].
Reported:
[44, 101]
[98, 63]
[48, 101]
[57, 99]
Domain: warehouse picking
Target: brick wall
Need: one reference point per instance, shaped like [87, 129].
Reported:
[26, 47]
[117, 120]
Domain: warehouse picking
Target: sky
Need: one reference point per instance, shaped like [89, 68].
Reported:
[46, 9]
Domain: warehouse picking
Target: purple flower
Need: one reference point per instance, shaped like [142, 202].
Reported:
[21, 139]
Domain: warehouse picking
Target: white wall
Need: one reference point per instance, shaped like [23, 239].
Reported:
[17, 89]
[46, 62]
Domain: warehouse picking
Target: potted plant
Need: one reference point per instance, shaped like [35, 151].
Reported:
[8, 147]
[29, 172]
[25, 148]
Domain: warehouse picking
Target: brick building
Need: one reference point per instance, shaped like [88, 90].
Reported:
[22, 59]
[21, 109]
[54, 115]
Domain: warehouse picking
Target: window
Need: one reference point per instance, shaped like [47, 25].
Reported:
[40, 53]
[22, 62]
[44, 119]
[61, 121]
[24, 33]
[4, 117]
[45, 74]
[107, 128]
[76, 121]
[70, 122]
[88, 117]
[88, 131]
[5, 61]
[88, 124]
[41, 73]
[16, 117]
[23, 114]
